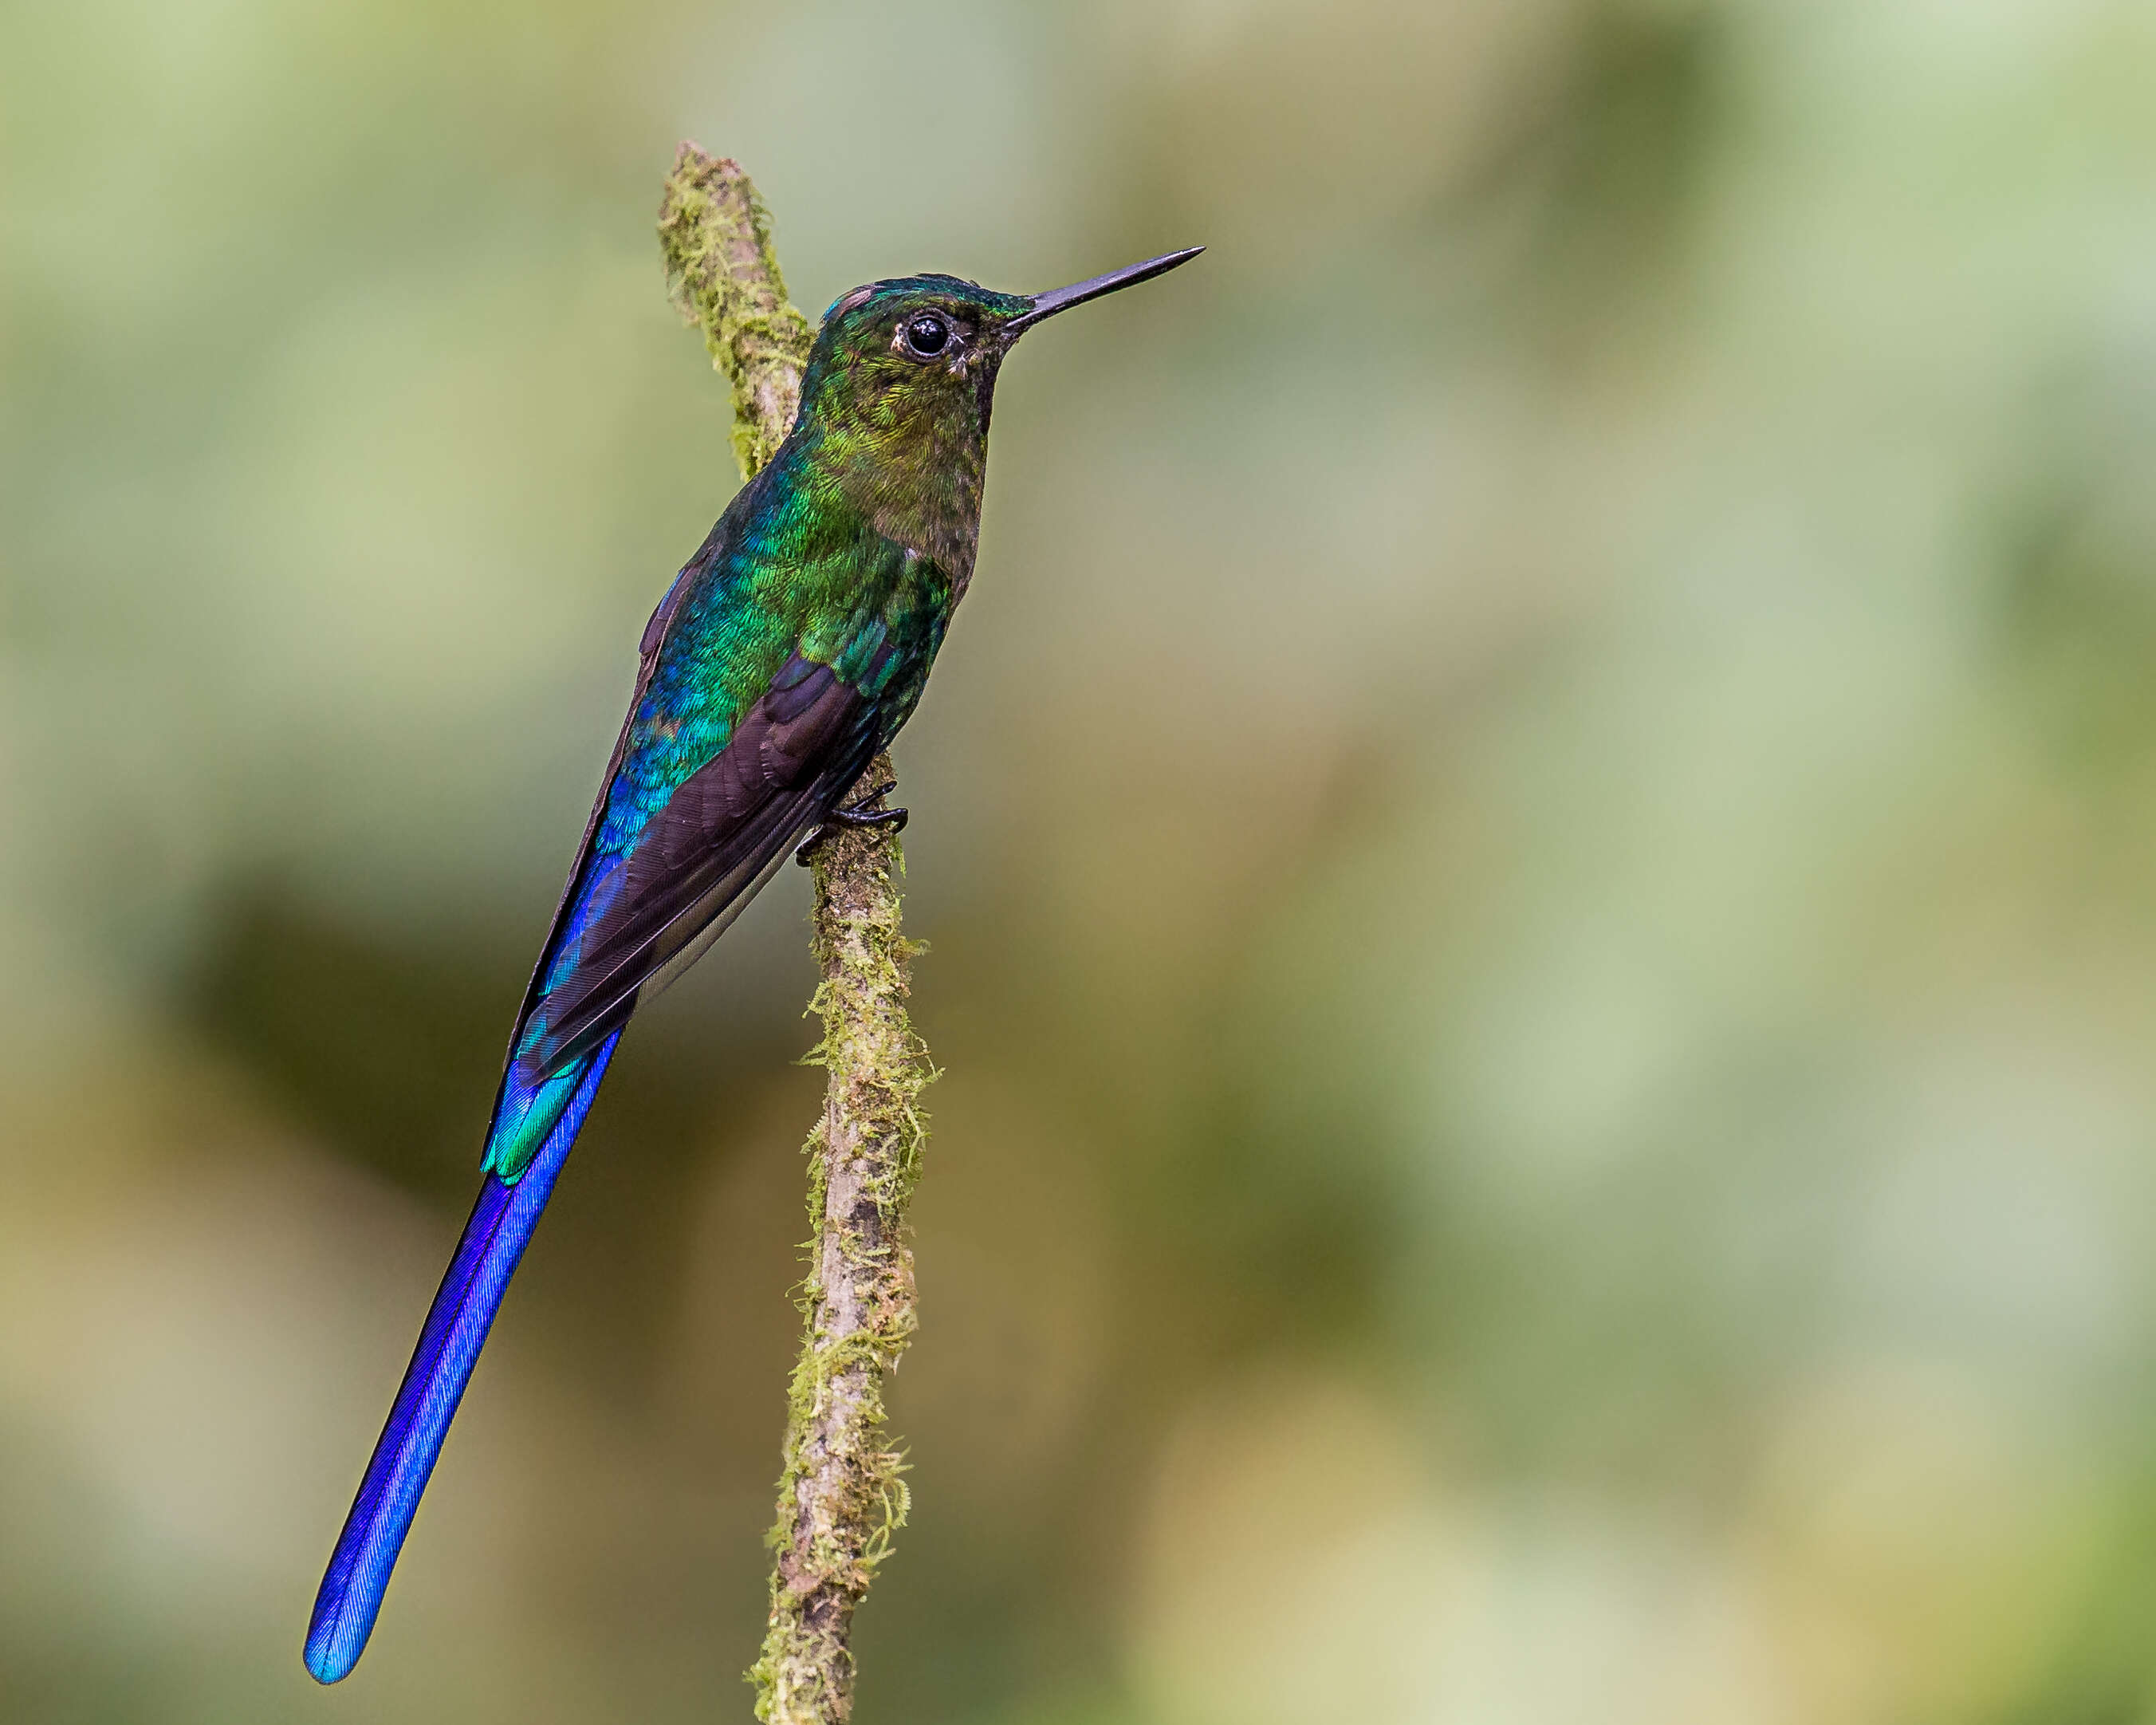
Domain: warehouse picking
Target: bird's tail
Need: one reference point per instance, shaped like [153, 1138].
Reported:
[493, 1240]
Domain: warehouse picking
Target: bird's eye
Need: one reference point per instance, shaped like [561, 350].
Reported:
[926, 335]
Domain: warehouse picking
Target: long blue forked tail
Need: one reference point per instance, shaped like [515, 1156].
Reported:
[494, 1241]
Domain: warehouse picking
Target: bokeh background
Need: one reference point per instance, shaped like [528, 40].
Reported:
[1539, 838]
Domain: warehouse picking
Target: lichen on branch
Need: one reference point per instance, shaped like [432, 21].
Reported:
[842, 1491]
[715, 234]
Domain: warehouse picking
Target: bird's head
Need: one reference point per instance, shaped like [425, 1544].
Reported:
[915, 358]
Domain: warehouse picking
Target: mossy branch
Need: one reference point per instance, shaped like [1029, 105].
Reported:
[842, 1492]
[715, 234]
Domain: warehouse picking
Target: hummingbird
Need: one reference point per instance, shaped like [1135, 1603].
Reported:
[789, 649]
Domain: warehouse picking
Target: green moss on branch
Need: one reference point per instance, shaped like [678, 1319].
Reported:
[715, 234]
[842, 1492]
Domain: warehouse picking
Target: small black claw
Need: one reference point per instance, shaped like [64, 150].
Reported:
[855, 816]
[895, 819]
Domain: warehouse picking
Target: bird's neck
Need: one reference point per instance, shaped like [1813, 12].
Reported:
[918, 485]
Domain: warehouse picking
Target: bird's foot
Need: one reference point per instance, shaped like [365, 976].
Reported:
[854, 815]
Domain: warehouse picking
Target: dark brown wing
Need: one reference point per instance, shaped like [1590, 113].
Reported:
[700, 858]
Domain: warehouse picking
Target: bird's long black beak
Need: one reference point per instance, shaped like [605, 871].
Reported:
[1063, 299]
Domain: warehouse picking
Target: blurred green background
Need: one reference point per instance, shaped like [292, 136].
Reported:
[1539, 838]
